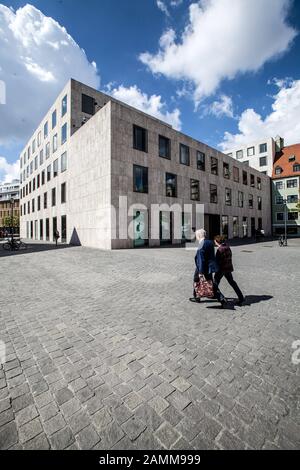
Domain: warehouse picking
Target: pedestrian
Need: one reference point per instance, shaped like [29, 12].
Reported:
[56, 236]
[225, 266]
[205, 261]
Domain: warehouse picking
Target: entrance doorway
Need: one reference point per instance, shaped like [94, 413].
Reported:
[140, 227]
[165, 227]
[212, 225]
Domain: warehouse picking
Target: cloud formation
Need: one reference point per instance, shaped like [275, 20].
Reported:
[283, 119]
[8, 171]
[221, 108]
[222, 39]
[152, 105]
[37, 58]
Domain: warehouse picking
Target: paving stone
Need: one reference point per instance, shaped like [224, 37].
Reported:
[167, 435]
[133, 428]
[6, 416]
[54, 424]
[122, 413]
[102, 418]
[8, 436]
[111, 435]
[49, 411]
[178, 400]
[133, 400]
[79, 421]
[63, 395]
[29, 430]
[87, 438]
[181, 384]
[62, 439]
[26, 415]
[22, 402]
[147, 415]
[37, 443]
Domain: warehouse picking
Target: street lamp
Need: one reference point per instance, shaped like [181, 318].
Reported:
[12, 203]
[285, 221]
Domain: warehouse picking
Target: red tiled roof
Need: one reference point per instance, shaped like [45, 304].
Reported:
[282, 160]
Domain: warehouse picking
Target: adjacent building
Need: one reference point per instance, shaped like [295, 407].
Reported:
[95, 165]
[286, 191]
[9, 192]
[259, 155]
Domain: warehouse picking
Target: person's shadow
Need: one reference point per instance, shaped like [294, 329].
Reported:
[249, 300]
[255, 299]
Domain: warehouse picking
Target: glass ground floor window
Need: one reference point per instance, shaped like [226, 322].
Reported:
[225, 225]
[63, 228]
[140, 228]
[245, 227]
[235, 226]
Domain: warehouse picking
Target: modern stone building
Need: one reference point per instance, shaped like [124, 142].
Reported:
[90, 150]
[259, 155]
[286, 191]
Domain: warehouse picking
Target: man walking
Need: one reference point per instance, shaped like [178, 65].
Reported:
[56, 236]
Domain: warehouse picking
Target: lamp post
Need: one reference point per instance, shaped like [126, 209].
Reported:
[12, 203]
[285, 221]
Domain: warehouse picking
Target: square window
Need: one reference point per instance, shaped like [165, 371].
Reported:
[250, 151]
[263, 148]
[263, 161]
[239, 154]
[87, 104]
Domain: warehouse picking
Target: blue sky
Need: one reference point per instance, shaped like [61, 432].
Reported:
[115, 33]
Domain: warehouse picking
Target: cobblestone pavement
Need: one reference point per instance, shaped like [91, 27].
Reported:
[104, 351]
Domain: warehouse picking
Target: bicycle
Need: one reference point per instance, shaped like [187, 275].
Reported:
[14, 245]
[282, 241]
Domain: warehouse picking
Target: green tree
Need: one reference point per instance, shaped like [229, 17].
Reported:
[9, 221]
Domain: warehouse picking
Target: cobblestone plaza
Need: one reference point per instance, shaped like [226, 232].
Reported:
[104, 351]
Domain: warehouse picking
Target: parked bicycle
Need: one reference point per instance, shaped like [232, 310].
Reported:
[282, 241]
[14, 245]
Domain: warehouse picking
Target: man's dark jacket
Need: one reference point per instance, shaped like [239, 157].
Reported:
[205, 259]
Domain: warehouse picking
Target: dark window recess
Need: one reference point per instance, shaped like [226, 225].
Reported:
[213, 193]
[195, 190]
[252, 181]
[184, 154]
[245, 177]
[226, 172]
[140, 139]
[63, 193]
[214, 165]
[140, 179]
[164, 145]
[200, 160]
[87, 104]
[171, 185]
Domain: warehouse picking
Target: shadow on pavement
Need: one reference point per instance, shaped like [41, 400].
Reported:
[32, 248]
[255, 299]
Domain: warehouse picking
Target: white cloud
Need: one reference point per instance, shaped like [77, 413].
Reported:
[161, 5]
[8, 171]
[283, 119]
[37, 58]
[220, 108]
[164, 5]
[152, 105]
[222, 39]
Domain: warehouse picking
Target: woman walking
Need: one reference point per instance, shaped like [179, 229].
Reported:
[225, 266]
